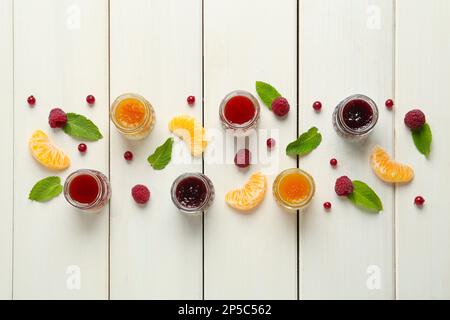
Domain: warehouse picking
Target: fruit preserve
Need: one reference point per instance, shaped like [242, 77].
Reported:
[192, 193]
[87, 190]
[133, 116]
[355, 116]
[293, 189]
[239, 112]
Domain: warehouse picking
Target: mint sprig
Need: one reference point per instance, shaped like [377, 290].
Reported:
[364, 197]
[306, 143]
[422, 139]
[267, 93]
[162, 155]
[80, 127]
[46, 189]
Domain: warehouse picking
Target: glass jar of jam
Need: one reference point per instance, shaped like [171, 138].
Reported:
[355, 116]
[239, 112]
[133, 116]
[87, 190]
[192, 193]
[293, 189]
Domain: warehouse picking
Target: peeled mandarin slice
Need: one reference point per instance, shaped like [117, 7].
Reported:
[191, 131]
[388, 170]
[46, 153]
[249, 196]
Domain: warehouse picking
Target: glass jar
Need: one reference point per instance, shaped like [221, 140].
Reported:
[133, 116]
[355, 117]
[192, 193]
[293, 189]
[239, 112]
[87, 190]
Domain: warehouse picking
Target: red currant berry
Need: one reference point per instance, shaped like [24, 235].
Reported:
[389, 103]
[419, 201]
[327, 205]
[190, 100]
[270, 143]
[128, 155]
[90, 99]
[333, 162]
[82, 147]
[31, 100]
[242, 158]
[317, 105]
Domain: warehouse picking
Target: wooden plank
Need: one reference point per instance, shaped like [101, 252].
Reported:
[423, 80]
[6, 141]
[156, 253]
[61, 56]
[346, 47]
[249, 255]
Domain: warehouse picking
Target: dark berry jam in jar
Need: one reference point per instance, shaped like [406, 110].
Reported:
[87, 190]
[355, 116]
[192, 193]
[239, 112]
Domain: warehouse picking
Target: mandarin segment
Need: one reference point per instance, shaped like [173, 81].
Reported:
[389, 170]
[190, 131]
[249, 196]
[47, 154]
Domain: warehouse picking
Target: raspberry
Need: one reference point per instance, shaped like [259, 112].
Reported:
[415, 119]
[280, 106]
[343, 186]
[140, 193]
[242, 158]
[57, 118]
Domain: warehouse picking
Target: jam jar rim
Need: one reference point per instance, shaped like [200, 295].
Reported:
[246, 125]
[362, 130]
[149, 113]
[290, 205]
[205, 180]
[80, 205]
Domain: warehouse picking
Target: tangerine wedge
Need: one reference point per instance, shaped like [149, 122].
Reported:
[191, 131]
[46, 153]
[389, 170]
[250, 196]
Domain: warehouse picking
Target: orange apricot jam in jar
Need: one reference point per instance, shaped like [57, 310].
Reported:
[293, 189]
[133, 116]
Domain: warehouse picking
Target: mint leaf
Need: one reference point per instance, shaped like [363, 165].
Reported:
[422, 139]
[80, 127]
[364, 197]
[267, 93]
[306, 143]
[162, 155]
[46, 189]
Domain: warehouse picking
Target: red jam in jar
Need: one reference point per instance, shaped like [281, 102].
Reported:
[192, 193]
[84, 189]
[355, 116]
[87, 190]
[239, 112]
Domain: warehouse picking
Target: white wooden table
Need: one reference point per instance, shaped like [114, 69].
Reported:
[61, 51]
